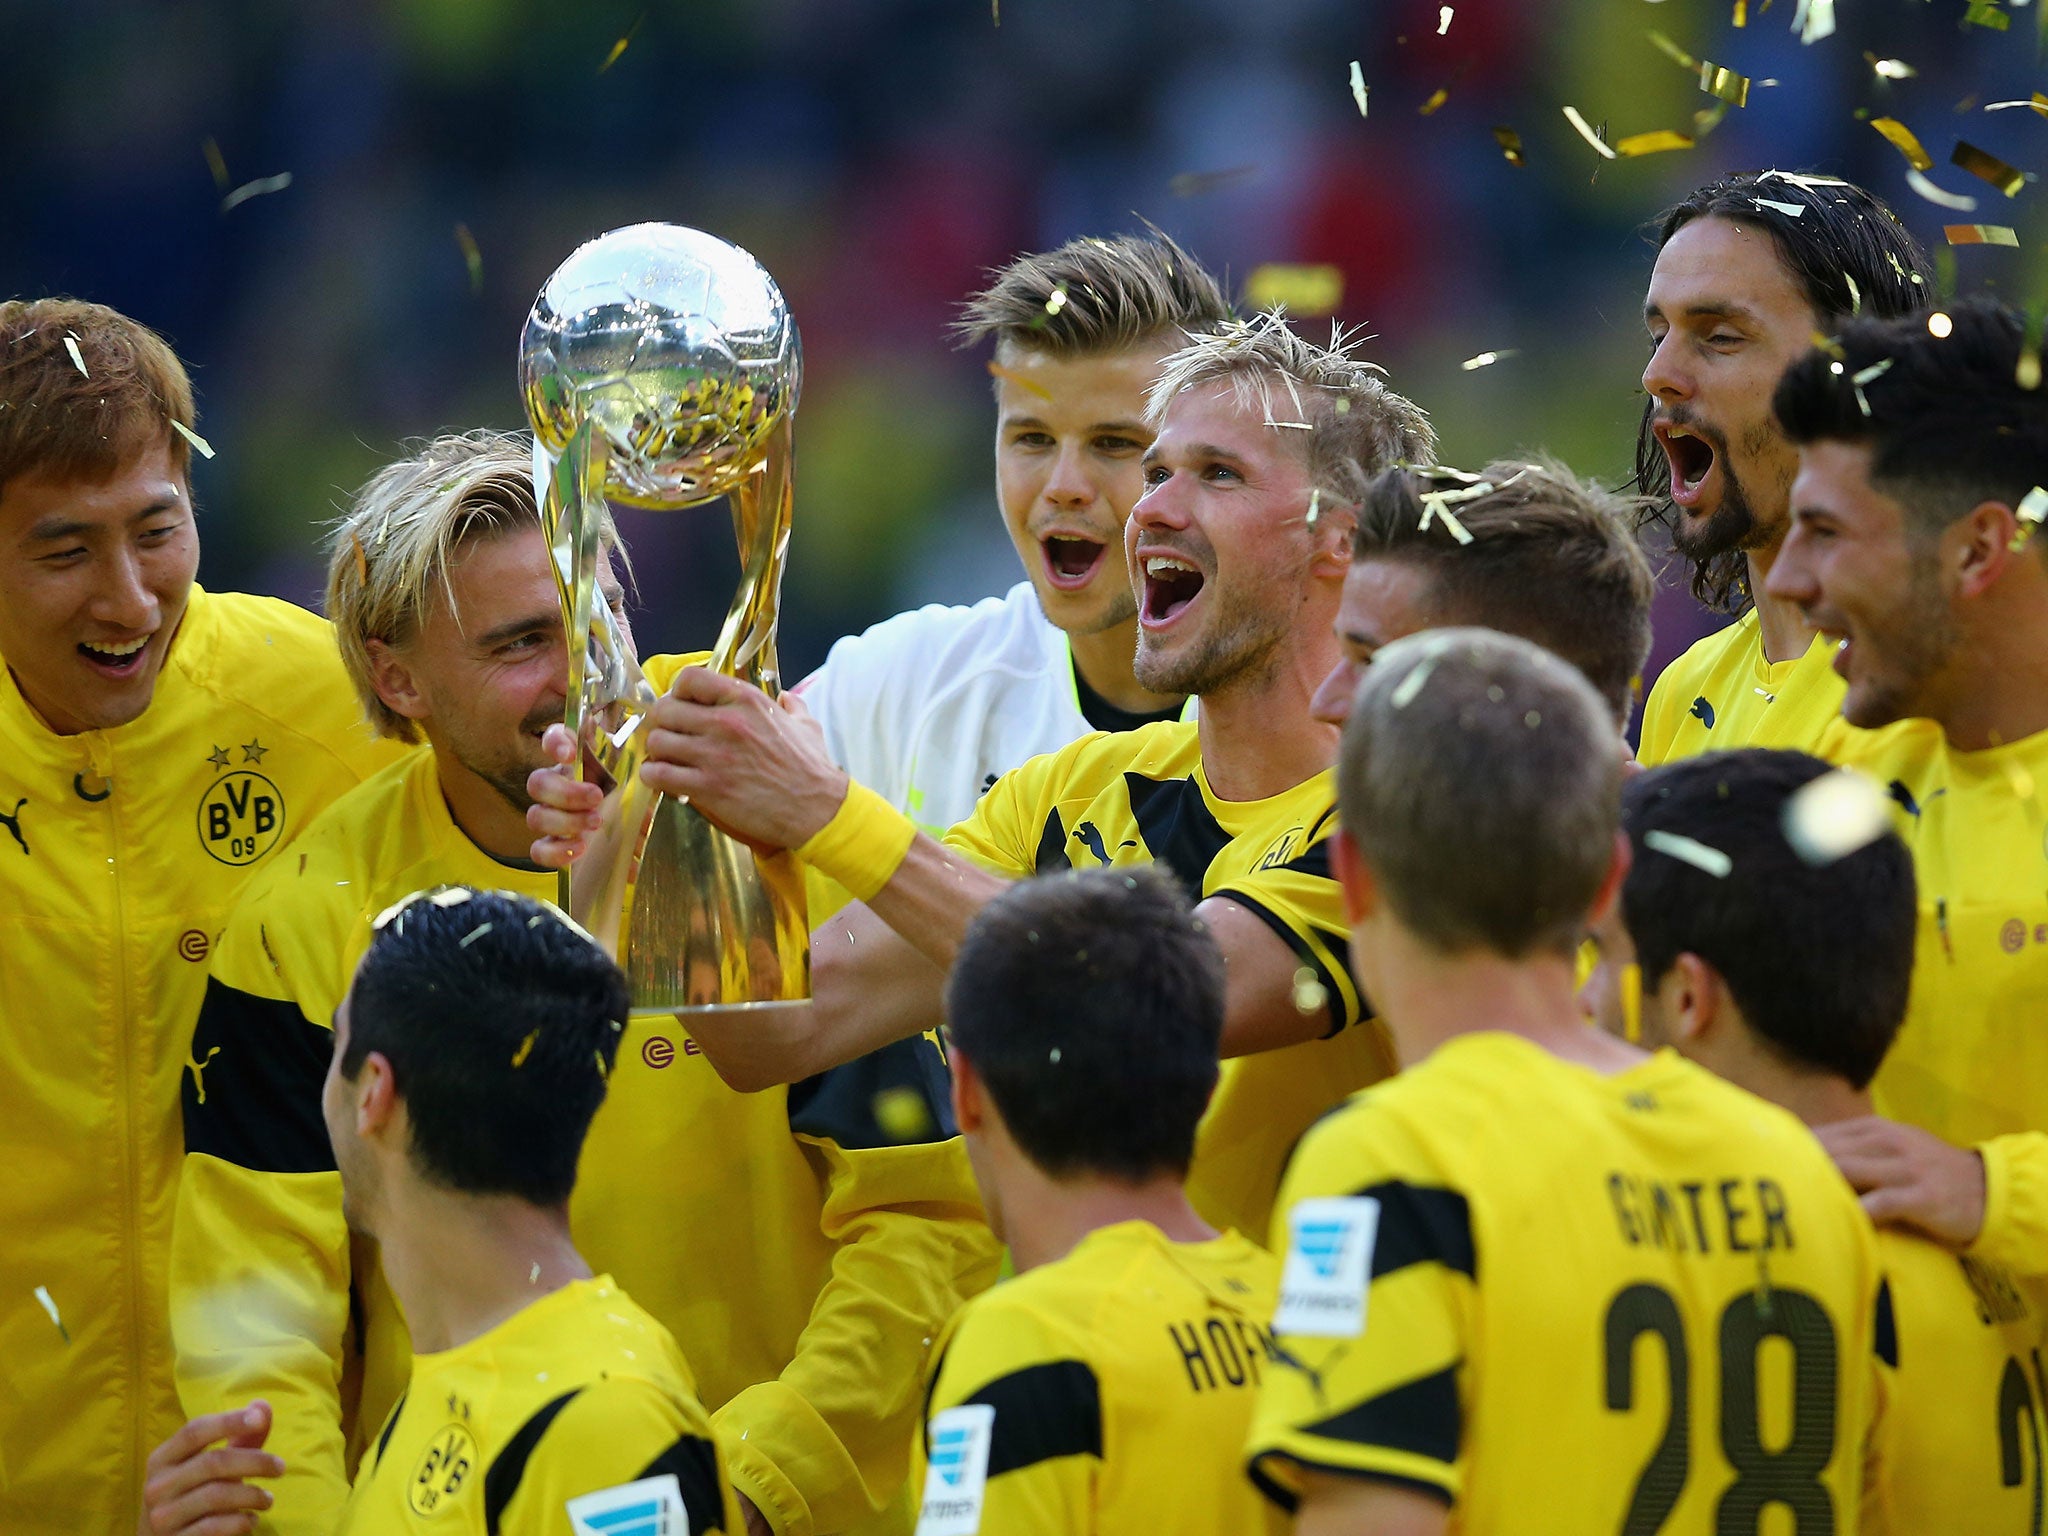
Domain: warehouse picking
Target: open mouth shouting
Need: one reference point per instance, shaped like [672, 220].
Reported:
[116, 659]
[1692, 456]
[1071, 559]
[1171, 585]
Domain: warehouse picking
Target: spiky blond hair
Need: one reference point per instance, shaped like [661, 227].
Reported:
[1344, 420]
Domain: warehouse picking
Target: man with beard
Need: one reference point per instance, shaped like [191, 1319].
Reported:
[1238, 551]
[1915, 551]
[1749, 270]
[930, 707]
[802, 1254]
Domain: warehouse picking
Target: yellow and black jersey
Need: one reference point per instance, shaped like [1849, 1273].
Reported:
[122, 852]
[803, 1245]
[576, 1414]
[1107, 1391]
[1137, 797]
[1966, 1399]
[1722, 694]
[1566, 1302]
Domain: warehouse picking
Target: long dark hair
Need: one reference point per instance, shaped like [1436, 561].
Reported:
[1849, 254]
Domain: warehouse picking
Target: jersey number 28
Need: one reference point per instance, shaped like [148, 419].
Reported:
[1787, 1475]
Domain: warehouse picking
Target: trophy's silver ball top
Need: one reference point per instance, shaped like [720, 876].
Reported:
[677, 346]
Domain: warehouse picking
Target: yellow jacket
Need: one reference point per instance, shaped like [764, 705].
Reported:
[803, 1259]
[121, 854]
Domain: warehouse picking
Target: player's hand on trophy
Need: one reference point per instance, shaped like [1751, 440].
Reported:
[564, 811]
[755, 766]
[196, 1482]
[1908, 1178]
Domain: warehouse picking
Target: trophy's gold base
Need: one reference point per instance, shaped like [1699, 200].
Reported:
[684, 1015]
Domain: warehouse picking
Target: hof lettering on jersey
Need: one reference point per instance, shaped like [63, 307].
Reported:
[956, 1475]
[1998, 1295]
[651, 1507]
[1702, 1216]
[1329, 1265]
[1221, 1351]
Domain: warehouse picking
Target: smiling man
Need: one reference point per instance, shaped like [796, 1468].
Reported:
[163, 743]
[1239, 548]
[1749, 269]
[930, 707]
[803, 1255]
[1915, 551]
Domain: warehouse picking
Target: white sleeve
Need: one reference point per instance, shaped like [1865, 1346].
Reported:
[864, 697]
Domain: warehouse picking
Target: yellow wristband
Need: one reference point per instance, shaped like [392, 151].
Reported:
[864, 843]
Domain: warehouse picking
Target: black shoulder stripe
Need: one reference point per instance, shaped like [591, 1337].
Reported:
[1042, 1412]
[1420, 1417]
[1314, 862]
[1052, 847]
[251, 1087]
[390, 1424]
[1887, 1326]
[1178, 827]
[509, 1465]
[694, 1461]
[840, 1105]
[1421, 1224]
[1341, 1018]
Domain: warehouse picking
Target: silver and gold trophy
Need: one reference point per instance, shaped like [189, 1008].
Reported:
[660, 369]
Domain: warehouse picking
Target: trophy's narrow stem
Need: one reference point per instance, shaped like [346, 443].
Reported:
[761, 514]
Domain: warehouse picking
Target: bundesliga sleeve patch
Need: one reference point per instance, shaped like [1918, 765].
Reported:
[651, 1507]
[1329, 1265]
[958, 1474]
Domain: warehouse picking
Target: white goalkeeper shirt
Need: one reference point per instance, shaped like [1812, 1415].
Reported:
[930, 707]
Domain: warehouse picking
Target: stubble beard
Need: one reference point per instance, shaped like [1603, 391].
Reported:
[1239, 647]
[1916, 646]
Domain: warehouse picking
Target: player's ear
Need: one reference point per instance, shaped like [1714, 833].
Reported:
[1696, 999]
[1353, 878]
[1608, 897]
[1980, 546]
[967, 1092]
[1335, 523]
[394, 681]
[375, 1091]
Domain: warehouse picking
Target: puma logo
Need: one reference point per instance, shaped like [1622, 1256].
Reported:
[1091, 839]
[1904, 796]
[13, 823]
[1703, 712]
[197, 1068]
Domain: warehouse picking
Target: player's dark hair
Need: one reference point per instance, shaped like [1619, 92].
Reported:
[501, 1023]
[1091, 1004]
[1550, 557]
[1093, 296]
[1947, 421]
[1848, 253]
[1818, 957]
[1480, 779]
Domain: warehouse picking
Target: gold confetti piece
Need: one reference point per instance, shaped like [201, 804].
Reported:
[1987, 167]
[1985, 13]
[473, 935]
[620, 46]
[1814, 20]
[50, 1306]
[2032, 508]
[1981, 234]
[1195, 183]
[1876, 370]
[1905, 141]
[1716, 80]
[525, 1049]
[1790, 210]
[1012, 376]
[1830, 817]
[604, 1072]
[1960, 201]
[1707, 119]
[215, 163]
[1510, 143]
[1741, 13]
[1689, 850]
[1443, 94]
[1890, 69]
[1057, 301]
[2037, 101]
[1358, 86]
[77, 359]
[1939, 324]
[1672, 51]
[471, 257]
[1855, 296]
[1443, 21]
[1487, 359]
[533, 1275]
[199, 444]
[902, 1115]
[1571, 115]
[1306, 291]
[452, 896]
[1655, 142]
[1310, 995]
[1413, 683]
[363, 578]
[261, 187]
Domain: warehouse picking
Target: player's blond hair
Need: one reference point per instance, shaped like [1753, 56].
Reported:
[1095, 296]
[389, 552]
[1336, 408]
